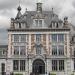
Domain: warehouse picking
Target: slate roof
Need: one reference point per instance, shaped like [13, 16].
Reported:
[28, 17]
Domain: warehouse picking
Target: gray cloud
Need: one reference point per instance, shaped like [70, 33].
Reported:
[8, 9]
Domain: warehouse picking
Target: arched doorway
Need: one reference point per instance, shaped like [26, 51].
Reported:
[39, 66]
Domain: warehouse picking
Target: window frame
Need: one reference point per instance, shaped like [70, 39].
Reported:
[20, 66]
[57, 66]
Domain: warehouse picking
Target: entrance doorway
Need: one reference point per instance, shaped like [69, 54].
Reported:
[39, 66]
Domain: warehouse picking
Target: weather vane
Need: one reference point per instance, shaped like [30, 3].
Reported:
[19, 2]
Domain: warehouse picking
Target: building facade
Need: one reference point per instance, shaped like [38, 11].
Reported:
[40, 43]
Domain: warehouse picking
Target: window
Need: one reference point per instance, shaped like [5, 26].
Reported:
[57, 65]
[20, 37]
[38, 50]
[38, 23]
[19, 50]
[54, 37]
[61, 65]
[22, 50]
[3, 52]
[54, 24]
[58, 50]
[54, 65]
[19, 25]
[16, 38]
[15, 65]
[16, 50]
[22, 65]
[19, 65]
[23, 38]
[74, 52]
[61, 50]
[38, 37]
[74, 64]
[54, 50]
[60, 38]
[57, 37]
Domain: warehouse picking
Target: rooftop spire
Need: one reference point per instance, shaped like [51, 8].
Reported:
[19, 11]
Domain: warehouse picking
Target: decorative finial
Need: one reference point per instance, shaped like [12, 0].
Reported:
[19, 7]
[26, 9]
[52, 9]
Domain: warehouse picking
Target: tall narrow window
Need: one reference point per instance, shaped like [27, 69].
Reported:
[74, 52]
[38, 38]
[16, 38]
[22, 50]
[23, 38]
[22, 65]
[40, 23]
[60, 50]
[15, 65]
[3, 67]
[36, 22]
[19, 25]
[60, 38]
[74, 64]
[54, 65]
[54, 37]
[38, 50]
[54, 50]
[16, 50]
[61, 65]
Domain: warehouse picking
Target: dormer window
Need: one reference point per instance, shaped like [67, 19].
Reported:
[19, 25]
[54, 25]
[38, 23]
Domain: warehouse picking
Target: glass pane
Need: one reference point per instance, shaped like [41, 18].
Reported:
[38, 37]
[54, 37]
[54, 65]
[54, 50]
[23, 38]
[22, 65]
[16, 38]
[36, 22]
[15, 65]
[38, 50]
[22, 50]
[40, 23]
[60, 38]
[16, 50]
[61, 50]
[61, 65]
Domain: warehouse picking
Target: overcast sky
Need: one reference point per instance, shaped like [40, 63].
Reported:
[8, 9]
